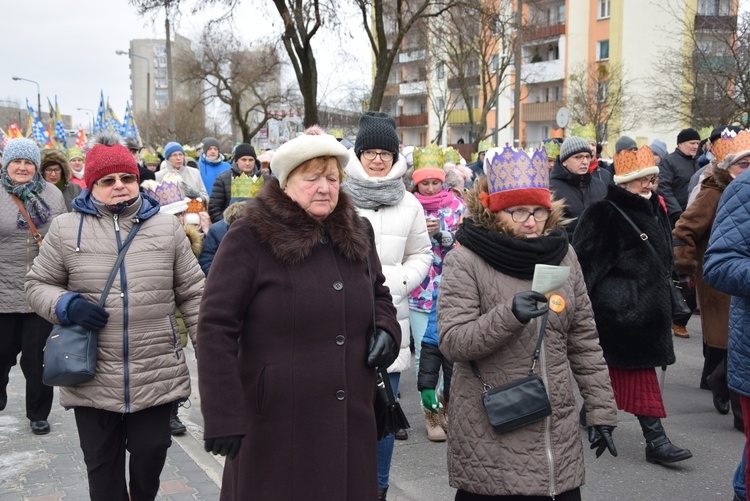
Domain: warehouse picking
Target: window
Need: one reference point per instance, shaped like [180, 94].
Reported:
[493, 63]
[422, 108]
[602, 11]
[601, 92]
[714, 8]
[441, 71]
[561, 14]
[475, 102]
[558, 93]
[441, 104]
[553, 53]
[602, 50]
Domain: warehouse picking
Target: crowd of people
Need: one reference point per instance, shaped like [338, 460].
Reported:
[299, 272]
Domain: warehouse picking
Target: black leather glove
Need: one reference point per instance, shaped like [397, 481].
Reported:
[525, 306]
[600, 438]
[226, 446]
[382, 350]
[86, 314]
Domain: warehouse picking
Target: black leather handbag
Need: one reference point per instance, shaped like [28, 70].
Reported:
[518, 403]
[70, 351]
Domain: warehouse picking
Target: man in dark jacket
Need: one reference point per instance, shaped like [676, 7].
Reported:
[571, 180]
[223, 193]
[675, 172]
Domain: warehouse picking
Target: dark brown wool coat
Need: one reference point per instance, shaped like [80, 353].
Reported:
[693, 230]
[283, 340]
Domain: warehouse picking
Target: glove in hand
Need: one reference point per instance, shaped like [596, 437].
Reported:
[446, 239]
[225, 446]
[86, 314]
[600, 438]
[382, 350]
[430, 401]
[525, 306]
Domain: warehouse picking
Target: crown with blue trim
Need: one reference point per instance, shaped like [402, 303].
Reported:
[515, 178]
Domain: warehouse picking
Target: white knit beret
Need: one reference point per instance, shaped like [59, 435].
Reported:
[299, 150]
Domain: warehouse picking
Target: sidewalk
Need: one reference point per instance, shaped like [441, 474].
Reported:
[51, 468]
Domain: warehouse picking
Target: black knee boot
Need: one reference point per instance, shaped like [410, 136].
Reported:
[658, 447]
[175, 425]
[739, 422]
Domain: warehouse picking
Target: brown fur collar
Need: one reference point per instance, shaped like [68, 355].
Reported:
[292, 234]
[718, 178]
[196, 239]
[483, 218]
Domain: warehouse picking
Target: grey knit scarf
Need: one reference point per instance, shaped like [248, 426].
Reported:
[373, 195]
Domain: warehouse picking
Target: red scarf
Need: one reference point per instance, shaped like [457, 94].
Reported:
[435, 202]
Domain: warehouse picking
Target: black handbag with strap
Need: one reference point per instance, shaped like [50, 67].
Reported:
[520, 402]
[680, 307]
[70, 351]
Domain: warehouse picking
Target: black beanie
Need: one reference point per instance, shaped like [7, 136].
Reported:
[716, 133]
[377, 130]
[688, 135]
[244, 150]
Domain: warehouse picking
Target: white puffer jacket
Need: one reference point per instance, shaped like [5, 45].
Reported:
[403, 246]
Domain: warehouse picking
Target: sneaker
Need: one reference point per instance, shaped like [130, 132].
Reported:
[401, 434]
[680, 331]
[40, 427]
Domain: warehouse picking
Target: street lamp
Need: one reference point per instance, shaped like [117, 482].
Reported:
[38, 94]
[90, 113]
[148, 91]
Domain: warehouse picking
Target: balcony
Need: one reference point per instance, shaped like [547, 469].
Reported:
[716, 23]
[412, 120]
[410, 57]
[715, 64]
[469, 82]
[531, 33]
[391, 89]
[458, 117]
[413, 88]
[540, 112]
[545, 71]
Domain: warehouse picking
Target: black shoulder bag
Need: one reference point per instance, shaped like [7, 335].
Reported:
[70, 352]
[389, 416]
[680, 307]
[520, 402]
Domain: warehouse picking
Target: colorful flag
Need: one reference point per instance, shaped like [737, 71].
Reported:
[111, 121]
[81, 138]
[5, 138]
[99, 122]
[38, 132]
[13, 131]
[60, 127]
[129, 128]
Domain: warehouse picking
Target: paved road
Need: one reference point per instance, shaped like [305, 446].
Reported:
[51, 468]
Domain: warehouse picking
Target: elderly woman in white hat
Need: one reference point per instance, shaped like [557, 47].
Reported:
[289, 354]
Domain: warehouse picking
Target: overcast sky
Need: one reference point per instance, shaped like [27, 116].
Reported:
[68, 47]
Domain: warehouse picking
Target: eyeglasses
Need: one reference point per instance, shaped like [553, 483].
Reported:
[743, 165]
[523, 215]
[56, 170]
[107, 182]
[582, 157]
[385, 156]
[645, 181]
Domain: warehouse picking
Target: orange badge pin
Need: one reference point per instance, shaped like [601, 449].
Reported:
[556, 303]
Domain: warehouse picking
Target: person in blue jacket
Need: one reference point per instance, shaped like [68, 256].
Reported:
[726, 268]
[212, 162]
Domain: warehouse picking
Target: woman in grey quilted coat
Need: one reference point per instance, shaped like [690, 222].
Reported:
[140, 369]
[488, 315]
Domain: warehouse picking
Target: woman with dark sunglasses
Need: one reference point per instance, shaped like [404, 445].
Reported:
[141, 369]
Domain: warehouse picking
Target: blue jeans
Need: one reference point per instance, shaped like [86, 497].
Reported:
[739, 476]
[385, 446]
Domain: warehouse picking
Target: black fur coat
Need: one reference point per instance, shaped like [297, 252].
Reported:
[629, 293]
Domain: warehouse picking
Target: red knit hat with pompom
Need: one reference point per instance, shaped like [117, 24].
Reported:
[107, 154]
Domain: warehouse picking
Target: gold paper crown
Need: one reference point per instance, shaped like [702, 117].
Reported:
[587, 132]
[195, 205]
[628, 161]
[705, 132]
[337, 133]
[553, 149]
[485, 145]
[430, 157]
[244, 186]
[452, 156]
[731, 145]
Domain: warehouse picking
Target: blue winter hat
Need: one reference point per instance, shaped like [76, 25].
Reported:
[172, 147]
[21, 148]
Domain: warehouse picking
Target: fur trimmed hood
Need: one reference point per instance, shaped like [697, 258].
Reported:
[292, 234]
[50, 157]
[484, 218]
[716, 177]
[196, 239]
[234, 212]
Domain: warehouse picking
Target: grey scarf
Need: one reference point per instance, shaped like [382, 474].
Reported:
[373, 195]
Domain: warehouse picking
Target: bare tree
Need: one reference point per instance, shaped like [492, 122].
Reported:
[598, 94]
[386, 23]
[712, 84]
[190, 123]
[472, 40]
[245, 78]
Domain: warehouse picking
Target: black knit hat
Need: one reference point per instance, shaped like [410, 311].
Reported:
[688, 135]
[377, 130]
[244, 150]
